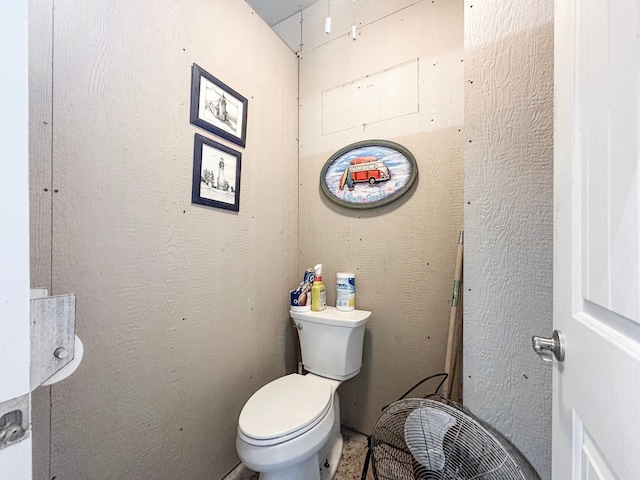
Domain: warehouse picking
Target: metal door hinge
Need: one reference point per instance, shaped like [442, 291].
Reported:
[15, 424]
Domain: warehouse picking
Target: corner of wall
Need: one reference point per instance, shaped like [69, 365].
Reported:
[508, 157]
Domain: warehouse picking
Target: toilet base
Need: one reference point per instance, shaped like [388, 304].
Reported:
[327, 460]
[321, 466]
[307, 469]
[329, 456]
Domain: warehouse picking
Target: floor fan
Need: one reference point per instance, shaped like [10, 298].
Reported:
[433, 438]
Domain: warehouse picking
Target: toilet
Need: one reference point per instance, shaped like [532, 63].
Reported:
[290, 428]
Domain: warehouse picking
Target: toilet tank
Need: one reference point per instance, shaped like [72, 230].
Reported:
[331, 341]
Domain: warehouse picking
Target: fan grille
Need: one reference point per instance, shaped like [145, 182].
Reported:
[470, 450]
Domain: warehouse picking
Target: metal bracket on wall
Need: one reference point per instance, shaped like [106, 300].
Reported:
[53, 325]
[53, 340]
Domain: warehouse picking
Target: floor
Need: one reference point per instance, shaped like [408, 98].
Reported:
[351, 464]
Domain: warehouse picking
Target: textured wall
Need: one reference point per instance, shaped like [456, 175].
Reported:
[179, 325]
[403, 254]
[172, 304]
[508, 218]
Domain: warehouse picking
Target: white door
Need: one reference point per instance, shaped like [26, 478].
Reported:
[596, 389]
[15, 459]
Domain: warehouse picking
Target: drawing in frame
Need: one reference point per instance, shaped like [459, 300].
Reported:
[368, 174]
[217, 108]
[216, 174]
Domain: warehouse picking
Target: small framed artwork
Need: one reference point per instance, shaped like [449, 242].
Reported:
[368, 174]
[216, 175]
[217, 108]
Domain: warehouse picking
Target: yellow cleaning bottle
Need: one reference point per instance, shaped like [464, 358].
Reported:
[318, 292]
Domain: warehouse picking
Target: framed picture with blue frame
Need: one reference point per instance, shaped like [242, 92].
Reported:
[216, 175]
[217, 108]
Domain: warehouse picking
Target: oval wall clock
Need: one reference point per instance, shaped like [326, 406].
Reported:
[368, 174]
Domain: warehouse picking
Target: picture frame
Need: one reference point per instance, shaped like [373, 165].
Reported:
[216, 174]
[217, 108]
[368, 174]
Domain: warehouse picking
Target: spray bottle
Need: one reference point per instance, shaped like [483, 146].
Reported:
[318, 292]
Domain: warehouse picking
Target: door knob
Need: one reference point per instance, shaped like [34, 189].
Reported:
[548, 348]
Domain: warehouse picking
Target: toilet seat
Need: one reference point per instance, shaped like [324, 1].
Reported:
[284, 409]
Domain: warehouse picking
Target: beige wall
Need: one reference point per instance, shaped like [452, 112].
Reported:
[182, 308]
[403, 254]
[509, 219]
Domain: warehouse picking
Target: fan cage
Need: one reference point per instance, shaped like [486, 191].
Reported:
[471, 450]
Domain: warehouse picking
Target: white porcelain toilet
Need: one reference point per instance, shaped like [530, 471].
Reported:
[290, 428]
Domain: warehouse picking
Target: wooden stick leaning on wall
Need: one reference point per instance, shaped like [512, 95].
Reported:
[456, 369]
[453, 359]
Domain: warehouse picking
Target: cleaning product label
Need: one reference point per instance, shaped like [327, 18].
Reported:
[318, 292]
[323, 299]
[318, 297]
[345, 291]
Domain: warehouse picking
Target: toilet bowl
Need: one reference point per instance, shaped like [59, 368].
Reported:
[286, 427]
[290, 428]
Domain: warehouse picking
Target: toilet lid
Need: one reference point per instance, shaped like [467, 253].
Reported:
[284, 406]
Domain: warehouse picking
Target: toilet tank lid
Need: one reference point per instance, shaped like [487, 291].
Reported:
[333, 316]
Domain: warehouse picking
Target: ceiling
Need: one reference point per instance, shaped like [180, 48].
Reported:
[274, 11]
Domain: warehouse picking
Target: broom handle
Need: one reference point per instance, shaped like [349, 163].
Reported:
[449, 360]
